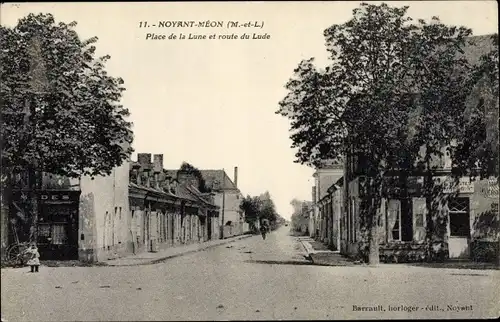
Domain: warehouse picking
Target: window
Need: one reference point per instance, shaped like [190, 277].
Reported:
[396, 229]
[59, 234]
[419, 220]
[400, 219]
[459, 217]
[394, 219]
[44, 234]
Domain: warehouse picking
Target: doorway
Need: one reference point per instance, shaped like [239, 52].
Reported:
[459, 227]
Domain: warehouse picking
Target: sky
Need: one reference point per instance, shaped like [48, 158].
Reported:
[212, 102]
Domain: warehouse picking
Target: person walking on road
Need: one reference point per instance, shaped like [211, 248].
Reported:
[264, 228]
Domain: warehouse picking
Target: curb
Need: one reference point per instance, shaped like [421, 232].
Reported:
[309, 250]
[164, 258]
[312, 254]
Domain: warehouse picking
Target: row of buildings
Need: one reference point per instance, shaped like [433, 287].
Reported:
[139, 207]
[465, 224]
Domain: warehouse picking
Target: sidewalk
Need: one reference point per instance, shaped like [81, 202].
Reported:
[148, 258]
[319, 254]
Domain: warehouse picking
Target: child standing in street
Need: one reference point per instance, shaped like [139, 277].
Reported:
[33, 258]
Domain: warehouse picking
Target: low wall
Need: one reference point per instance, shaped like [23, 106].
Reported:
[398, 252]
[403, 252]
[485, 251]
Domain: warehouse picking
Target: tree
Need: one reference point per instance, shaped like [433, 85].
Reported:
[476, 153]
[260, 208]
[202, 187]
[251, 207]
[300, 216]
[60, 109]
[368, 102]
[267, 208]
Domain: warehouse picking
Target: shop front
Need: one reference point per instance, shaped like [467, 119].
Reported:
[58, 225]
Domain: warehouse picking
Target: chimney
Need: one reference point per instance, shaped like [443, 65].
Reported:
[136, 173]
[158, 163]
[144, 159]
[157, 169]
[236, 176]
[173, 186]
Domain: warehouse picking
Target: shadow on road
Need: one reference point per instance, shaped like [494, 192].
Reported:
[457, 265]
[470, 274]
[276, 262]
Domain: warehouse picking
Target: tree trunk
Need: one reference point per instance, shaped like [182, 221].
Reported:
[498, 234]
[374, 195]
[32, 196]
[373, 255]
[428, 187]
[5, 214]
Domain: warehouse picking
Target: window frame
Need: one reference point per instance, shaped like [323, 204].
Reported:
[466, 212]
[398, 219]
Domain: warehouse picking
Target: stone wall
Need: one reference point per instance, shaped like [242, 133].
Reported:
[104, 215]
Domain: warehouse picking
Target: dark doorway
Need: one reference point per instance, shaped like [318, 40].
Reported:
[209, 227]
[172, 227]
[459, 217]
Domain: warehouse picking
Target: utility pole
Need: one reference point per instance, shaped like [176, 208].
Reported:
[223, 205]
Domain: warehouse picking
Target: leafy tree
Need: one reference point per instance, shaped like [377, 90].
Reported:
[251, 207]
[376, 99]
[60, 108]
[260, 208]
[267, 209]
[476, 153]
[298, 216]
[193, 170]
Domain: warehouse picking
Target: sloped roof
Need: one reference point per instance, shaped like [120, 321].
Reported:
[198, 195]
[183, 192]
[212, 178]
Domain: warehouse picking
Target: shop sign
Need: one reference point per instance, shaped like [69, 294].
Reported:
[492, 188]
[450, 186]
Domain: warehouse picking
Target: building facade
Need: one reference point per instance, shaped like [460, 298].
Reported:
[324, 177]
[300, 216]
[227, 196]
[460, 218]
[137, 208]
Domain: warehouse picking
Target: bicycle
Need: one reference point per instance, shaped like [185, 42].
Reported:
[263, 232]
[15, 253]
[16, 250]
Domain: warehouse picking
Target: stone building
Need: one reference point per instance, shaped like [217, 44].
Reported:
[330, 209]
[227, 196]
[136, 208]
[465, 220]
[166, 211]
[324, 176]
